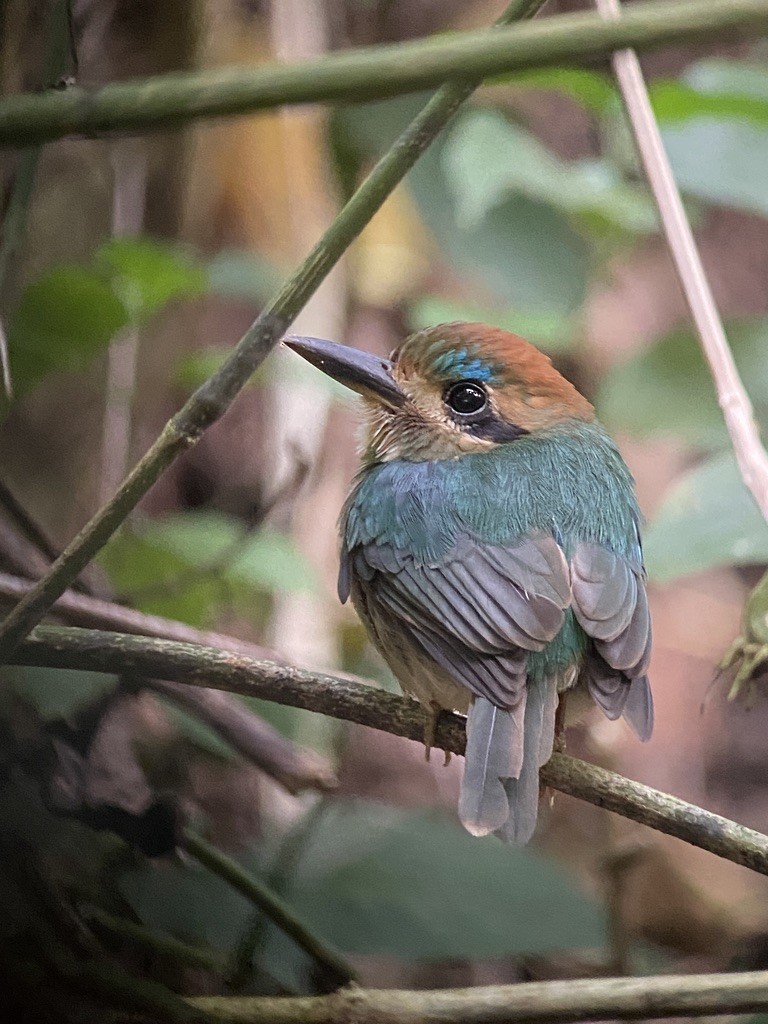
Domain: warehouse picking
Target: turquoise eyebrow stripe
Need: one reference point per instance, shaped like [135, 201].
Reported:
[461, 363]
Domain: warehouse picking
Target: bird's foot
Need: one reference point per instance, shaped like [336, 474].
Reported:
[559, 743]
[431, 715]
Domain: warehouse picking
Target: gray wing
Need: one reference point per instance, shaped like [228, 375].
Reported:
[611, 606]
[478, 612]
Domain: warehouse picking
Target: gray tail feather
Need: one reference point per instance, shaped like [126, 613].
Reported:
[494, 753]
[523, 793]
[638, 709]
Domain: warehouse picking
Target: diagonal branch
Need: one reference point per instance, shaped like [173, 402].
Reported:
[365, 74]
[214, 397]
[732, 396]
[335, 967]
[355, 701]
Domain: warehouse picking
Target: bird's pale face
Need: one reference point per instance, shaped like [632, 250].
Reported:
[469, 388]
[451, 390]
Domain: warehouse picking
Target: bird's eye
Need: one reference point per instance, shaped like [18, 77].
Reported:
[466, 397]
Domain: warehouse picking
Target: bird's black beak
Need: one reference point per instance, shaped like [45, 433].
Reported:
[370, 376]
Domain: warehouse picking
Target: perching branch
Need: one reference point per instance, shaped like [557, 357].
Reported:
[354, 701]
[538, 1002]
[213, 398]
[732, 396]
[365, 74]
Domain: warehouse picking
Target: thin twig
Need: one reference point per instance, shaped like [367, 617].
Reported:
[14, 224]
[30, 551]
[30, 531]
[284, 862]
[332, 963]
[537, 1002]
[155, 942]
[215, 395]
[25, 524]
[294, 767]
[355, 701]
[371, 73]
[732, 396]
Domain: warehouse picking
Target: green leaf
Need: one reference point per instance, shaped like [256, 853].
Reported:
[675, 101]
[62, 321]
[722, 161]
[243, 275]
[713, 88]
[595, 92]
[708, 519]
[379, 881]
[525, 254]
[551, 332]
[730, 77]
[266, 560]
[487, 159]
[668, 389]
[57, 692]
[186, 902]
[171, 567]
[147, 275]
[158, 581]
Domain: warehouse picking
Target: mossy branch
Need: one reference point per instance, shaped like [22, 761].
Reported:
[365, 74]
[354, 700]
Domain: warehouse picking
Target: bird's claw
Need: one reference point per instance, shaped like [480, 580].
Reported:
[431, 715]
[559, 742]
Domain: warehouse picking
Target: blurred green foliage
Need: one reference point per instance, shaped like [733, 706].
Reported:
[71, 313]
[192, 565]
[522, 232]
[666, 390]
[372, 881]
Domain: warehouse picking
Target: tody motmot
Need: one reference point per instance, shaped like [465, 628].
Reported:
[490, 545]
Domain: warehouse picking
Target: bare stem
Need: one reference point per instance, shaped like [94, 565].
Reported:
[214, 397]
[371, 73]
[355, 701]
[332, 963]
[165, 946]
[732, 396]
[542, 1002]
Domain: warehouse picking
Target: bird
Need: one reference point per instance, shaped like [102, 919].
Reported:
[491, 546]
